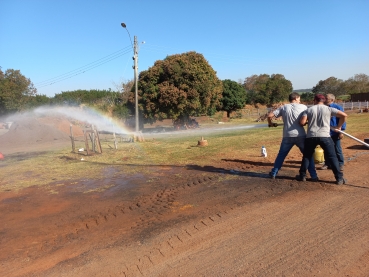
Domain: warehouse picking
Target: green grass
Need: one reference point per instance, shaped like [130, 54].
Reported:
[62, 166]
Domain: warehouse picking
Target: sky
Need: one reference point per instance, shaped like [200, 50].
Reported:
[66, 45]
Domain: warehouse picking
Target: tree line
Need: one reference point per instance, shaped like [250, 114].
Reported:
[178, 87]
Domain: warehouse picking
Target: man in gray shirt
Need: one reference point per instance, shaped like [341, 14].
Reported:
[293, 133]
[318, 118]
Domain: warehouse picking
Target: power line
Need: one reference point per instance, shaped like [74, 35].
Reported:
[148, 48]
[85, 68]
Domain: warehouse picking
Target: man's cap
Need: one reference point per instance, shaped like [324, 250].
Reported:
[319, 98]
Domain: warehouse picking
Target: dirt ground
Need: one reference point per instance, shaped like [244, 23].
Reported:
[225, 219]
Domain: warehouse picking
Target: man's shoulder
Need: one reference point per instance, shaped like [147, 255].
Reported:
[333, 109]
[298, 106]
[303, 106]
[336, 106]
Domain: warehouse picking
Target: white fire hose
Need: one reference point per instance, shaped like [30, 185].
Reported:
[342, 132]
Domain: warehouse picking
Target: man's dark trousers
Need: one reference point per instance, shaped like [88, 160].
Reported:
[339, 153]
[329, 152]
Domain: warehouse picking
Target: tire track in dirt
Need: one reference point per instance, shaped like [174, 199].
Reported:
[125, 216]
[326, 248]
[147, 258]
[153, 204]
[149, 210]
[178, 246]
[287, 236]
[310, 246]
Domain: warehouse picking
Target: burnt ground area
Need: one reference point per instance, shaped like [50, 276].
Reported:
[224, 219]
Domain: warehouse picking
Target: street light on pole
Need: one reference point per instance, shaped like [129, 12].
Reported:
[135, 67]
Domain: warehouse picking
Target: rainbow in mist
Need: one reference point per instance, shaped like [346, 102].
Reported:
[85, 114]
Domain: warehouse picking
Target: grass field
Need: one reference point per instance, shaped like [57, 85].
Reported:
[28, 169]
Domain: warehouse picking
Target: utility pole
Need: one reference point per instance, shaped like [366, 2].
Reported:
[135, 67]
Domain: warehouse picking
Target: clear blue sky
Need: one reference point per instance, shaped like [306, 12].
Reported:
[306, 41]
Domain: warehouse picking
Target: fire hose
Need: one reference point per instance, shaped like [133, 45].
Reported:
[275, 124]
[352, 137]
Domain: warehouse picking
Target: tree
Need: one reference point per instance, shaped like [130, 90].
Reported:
[178, 87]
[330, 85]
[234, 96]
[279, 88]
[250, 82]
[357, 84]
[255, 85]
[267, 89]
[15, 90]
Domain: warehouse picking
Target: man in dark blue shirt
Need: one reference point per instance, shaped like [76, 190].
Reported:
[336, 137]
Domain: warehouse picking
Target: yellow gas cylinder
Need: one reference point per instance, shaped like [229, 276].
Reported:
[319, 155]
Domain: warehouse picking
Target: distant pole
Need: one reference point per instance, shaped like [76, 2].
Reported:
[135, 67]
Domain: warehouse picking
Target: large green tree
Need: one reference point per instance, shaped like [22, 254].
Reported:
[178, 87]
[330, 85]
[15, 90]
[267, 89]
[234, 96]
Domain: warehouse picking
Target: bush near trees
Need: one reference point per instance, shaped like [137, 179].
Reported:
[234, 96]
[307, 97]
[178, 87]
[37, 100]
[267, 89]
[15, 90]
[80, 96]
[110, 102]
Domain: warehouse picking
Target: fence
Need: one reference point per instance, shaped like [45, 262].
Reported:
[354, 105]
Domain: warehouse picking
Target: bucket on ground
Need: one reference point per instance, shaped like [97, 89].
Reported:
[319, 155]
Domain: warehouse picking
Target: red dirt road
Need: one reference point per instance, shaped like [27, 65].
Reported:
[226, 219]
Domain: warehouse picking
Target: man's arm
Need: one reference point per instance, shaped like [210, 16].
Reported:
[270, 117]
[342, 119]
[303, 120]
